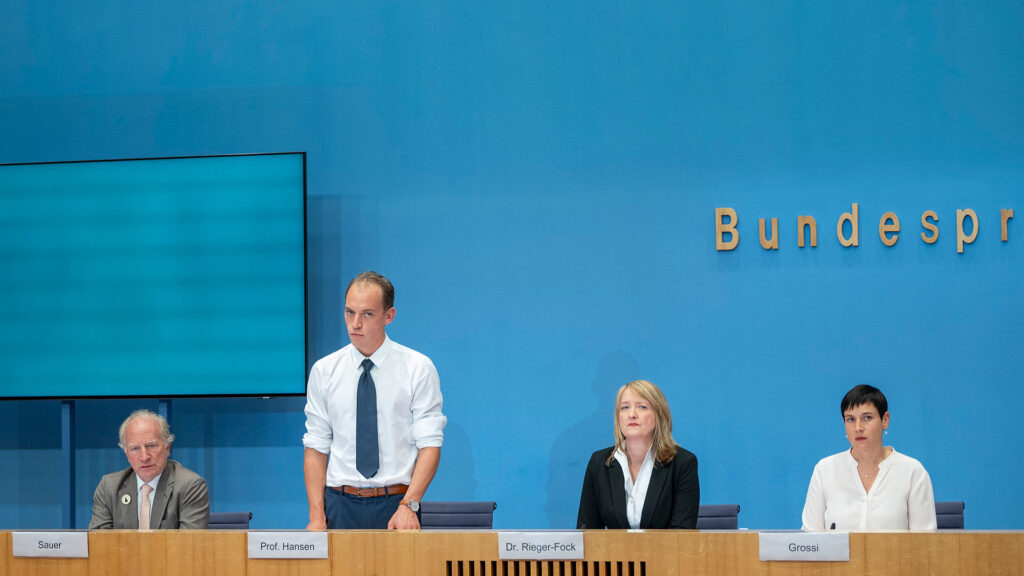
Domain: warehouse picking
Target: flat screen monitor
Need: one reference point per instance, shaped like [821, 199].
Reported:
[162, 277]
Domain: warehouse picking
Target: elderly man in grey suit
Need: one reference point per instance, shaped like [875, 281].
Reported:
[154, 492]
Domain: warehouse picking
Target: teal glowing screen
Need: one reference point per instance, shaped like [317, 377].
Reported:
[158, 277]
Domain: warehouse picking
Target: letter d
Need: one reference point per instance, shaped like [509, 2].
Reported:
[852, 217]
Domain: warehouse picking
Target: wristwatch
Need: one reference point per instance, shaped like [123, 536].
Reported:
[413, 505]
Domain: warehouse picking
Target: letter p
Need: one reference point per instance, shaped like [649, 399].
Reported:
[962, 239]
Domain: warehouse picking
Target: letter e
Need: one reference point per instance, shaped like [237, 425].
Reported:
[889, 224]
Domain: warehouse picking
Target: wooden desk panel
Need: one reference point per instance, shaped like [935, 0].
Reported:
[608, 553]
[10, 566]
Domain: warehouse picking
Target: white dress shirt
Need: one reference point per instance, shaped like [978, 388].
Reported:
[636, 492]
[408, 412]
[900, 498]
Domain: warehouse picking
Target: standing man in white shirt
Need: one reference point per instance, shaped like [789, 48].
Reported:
[374, 425]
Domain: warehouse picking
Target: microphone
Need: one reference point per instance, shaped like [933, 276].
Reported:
[833, 526]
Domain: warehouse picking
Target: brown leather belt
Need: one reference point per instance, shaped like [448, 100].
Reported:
[372, 492]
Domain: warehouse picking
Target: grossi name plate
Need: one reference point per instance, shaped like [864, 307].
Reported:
[287, 544]
[804, 546]
[50, 544]
[540, 545]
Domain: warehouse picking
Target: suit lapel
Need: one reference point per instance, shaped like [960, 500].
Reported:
[618, 487]
[164, 489]
[128, 514]
[652, 501]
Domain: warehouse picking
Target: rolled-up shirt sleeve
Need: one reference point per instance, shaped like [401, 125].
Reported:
[319, 432]
[427, 420]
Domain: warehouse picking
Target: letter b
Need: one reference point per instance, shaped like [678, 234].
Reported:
[722, 228]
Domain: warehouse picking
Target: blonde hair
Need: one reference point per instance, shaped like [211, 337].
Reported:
[663, 445]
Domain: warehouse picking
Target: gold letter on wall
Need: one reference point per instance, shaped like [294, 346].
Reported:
[726, 228]
[806, 222]
[930, 226]
[960, 238]
[893, 227]
[772, 244]
[1006, 215]
[851, 216]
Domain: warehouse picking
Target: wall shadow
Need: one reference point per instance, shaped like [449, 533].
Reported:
[572, 448]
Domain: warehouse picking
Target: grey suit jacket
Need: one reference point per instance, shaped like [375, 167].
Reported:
[180, 501]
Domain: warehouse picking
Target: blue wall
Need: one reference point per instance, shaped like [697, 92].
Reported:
[539, 180]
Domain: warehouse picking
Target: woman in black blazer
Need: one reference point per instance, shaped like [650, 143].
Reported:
[644, 456]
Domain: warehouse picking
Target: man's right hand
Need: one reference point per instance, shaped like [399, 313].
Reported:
[317, 523]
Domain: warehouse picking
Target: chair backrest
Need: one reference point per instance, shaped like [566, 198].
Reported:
[457, 515]
[230, 520]
[949, 515]
[718, 517]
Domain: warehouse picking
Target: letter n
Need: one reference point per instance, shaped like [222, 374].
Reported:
[809, 223]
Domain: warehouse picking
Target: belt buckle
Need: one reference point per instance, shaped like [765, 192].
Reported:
[367, 492]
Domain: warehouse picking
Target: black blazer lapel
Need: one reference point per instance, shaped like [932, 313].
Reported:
[617, 484]
[127, 515]
[655, 489]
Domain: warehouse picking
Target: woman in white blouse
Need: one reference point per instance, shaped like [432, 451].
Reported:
[645, 480]
[870, 486]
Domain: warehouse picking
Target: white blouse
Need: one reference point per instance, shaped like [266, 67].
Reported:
[636, 492]
[900, 499]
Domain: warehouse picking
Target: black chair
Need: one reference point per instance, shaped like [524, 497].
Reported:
[457, 515]
[949, 515]
[718, 517]
[230, 520]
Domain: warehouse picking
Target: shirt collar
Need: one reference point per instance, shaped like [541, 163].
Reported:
[850, 460]
[623, 460]
[378, 357]
[154, 482]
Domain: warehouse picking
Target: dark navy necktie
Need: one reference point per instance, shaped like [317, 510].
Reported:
[367, 457]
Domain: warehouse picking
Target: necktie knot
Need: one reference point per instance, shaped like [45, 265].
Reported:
[367, 365]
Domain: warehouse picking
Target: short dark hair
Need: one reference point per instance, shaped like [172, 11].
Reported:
[371, 277]
[864, 394]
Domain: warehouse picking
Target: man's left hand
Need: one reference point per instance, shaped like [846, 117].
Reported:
[404, 519]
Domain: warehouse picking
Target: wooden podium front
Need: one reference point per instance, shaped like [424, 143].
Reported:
[607, 553]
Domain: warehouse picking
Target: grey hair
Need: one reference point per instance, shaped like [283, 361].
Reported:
[165, 428]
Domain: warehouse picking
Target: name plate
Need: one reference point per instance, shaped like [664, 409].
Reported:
[540, 545]
[287, 544]
[50, 544]
[804, 546]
